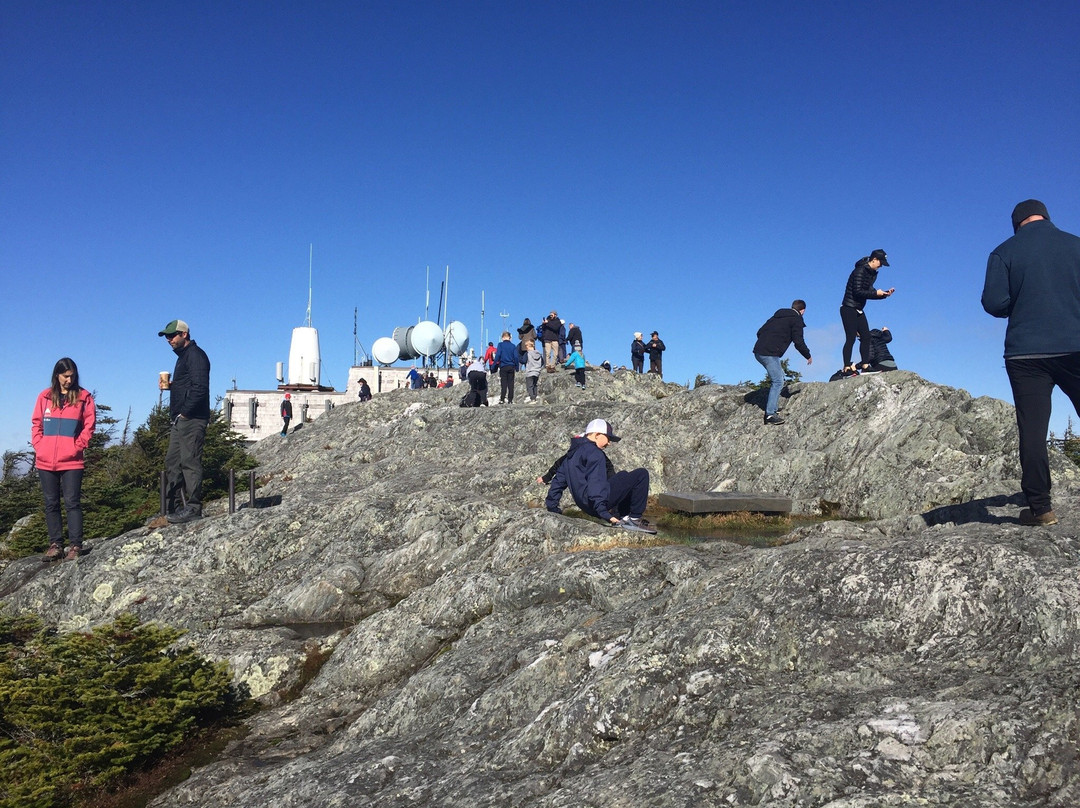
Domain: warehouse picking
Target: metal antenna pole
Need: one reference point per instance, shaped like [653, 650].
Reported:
[307, 320]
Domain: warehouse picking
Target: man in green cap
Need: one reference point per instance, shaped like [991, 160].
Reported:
[189, 414]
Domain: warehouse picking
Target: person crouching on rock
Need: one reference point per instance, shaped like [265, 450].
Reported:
[619, 499]
[881, 359]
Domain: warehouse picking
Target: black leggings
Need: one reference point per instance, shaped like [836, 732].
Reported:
[855, 325]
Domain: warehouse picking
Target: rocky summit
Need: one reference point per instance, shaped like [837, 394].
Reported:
[422, 632]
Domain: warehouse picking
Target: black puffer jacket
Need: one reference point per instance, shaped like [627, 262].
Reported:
[879, 346]
[860, 285]
[779, 331]
[189, 393]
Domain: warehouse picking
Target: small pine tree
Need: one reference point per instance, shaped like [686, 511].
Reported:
[790, 375]
[81, 710]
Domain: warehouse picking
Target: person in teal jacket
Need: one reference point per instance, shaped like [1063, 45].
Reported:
[577, 362]
[61, 428]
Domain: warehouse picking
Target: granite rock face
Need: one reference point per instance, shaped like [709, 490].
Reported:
[480, 651]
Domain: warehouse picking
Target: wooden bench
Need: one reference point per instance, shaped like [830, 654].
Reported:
[724, 502]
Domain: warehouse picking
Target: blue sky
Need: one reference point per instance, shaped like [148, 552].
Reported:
[687, 167]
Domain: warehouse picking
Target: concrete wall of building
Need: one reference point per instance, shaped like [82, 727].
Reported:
[264, 419]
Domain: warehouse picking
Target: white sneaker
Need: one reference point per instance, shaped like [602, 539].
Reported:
[635, 525]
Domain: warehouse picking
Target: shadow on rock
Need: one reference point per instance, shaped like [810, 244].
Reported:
[977, 510]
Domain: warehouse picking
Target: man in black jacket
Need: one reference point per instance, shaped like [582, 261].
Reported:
[773, 340]
[189, 411]
[655, 348]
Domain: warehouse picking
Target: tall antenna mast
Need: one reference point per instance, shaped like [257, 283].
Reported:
[446, 300]
[307, 320]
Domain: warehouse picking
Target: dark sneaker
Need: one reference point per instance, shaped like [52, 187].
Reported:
[774, 419]
[189, 513]
[1032, 520]
[74, 551]
[54, 553]
[635, 525]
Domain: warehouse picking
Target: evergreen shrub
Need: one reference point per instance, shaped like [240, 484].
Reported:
[80, 711]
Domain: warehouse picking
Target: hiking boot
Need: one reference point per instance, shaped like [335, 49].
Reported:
[189, 513]
[637, 525]
[1033, 520]
[74, 551]
[848, 373]
[54, 553]
[774, 419]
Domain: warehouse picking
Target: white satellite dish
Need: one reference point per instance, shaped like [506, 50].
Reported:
[422, 339]
[426, 338]
[385, 351]
[456, 338]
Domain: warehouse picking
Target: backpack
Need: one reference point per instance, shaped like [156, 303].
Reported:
[471, 399]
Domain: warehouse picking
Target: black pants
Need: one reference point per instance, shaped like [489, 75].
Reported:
[638, 363]
[855, 325]
[506, 382]
[478, 382]
[285, 425]
[656, 364]
[183, 463]
[1032, 383]
[628, 493]
[68, 483]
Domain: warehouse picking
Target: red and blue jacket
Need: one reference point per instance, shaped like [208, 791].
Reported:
[60, 434]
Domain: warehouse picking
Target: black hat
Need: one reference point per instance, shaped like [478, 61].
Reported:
[1029, 207]
[880, 255]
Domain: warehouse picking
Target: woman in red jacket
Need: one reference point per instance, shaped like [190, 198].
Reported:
[63, 424]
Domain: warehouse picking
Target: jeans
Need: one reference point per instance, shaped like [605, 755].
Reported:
[1032, 383]
[68, 483]
[183, 462]
[531, 385]
[776, 376]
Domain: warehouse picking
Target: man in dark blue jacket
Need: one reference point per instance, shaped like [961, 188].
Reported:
[1033, 279]
[506, 360]
[189, 412]
[619, 499]
[773, 340]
